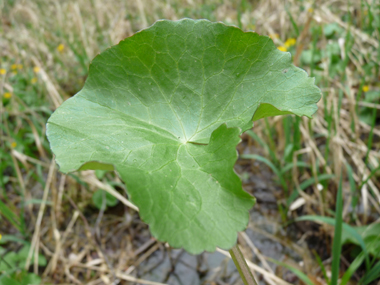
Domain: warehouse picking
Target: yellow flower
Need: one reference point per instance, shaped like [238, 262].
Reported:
[36, 69]
[61, 47]
[2, 71]
[33, 80]
[20, 66]
[274, 36]
[365, 88]
[290, 42]
[282, 48]
[7, 95]
[13, 144]
[310, 10]
[0, 236]
[14, 66]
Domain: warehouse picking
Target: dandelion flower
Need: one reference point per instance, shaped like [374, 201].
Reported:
[0, 236]
[7, 95]
[33, 80]
[310, 10]
[290, 42]
[282, 48]
[365, 88]
[13, 144]
[2, 71]
[14, 66]
[36, 69]
[19, 66]
[61, 47]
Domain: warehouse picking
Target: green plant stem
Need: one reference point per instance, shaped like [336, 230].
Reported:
[242, 266]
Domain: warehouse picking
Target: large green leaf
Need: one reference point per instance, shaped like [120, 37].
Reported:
[166, 107]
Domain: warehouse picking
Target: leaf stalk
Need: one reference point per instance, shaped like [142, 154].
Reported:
[242, 266]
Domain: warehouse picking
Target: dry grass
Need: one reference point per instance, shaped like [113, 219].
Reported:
[87, 246]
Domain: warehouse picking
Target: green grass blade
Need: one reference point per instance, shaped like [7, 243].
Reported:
[302, 276]
[297, 137]
[271, 133]
[347, 228]
[329, 119]
[263, 144]
[373, 172]
[370, 136]
[294, 24]
[255, 137]
[371, 275]
[12, 238]
[306, 184]
[269, 164]
[352, 268]
[323, 269]
[287, 123]
[37, 202]
[354, 194]
[290, 166]
[337, 243]
[10, 216]
[288, 152]
[264, 160]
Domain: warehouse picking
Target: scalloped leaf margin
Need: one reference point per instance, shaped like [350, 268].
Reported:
[166, 107]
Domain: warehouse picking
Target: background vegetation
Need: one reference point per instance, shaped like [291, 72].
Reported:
[314, 179]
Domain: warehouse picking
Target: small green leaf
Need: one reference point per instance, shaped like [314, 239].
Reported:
[20, 278]
[17, 260]
[330, 29]
[22, 256]
[31, 279]
[308, 57]
[97, 199]
[166, 107]
[8, 262]
[7, 280]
